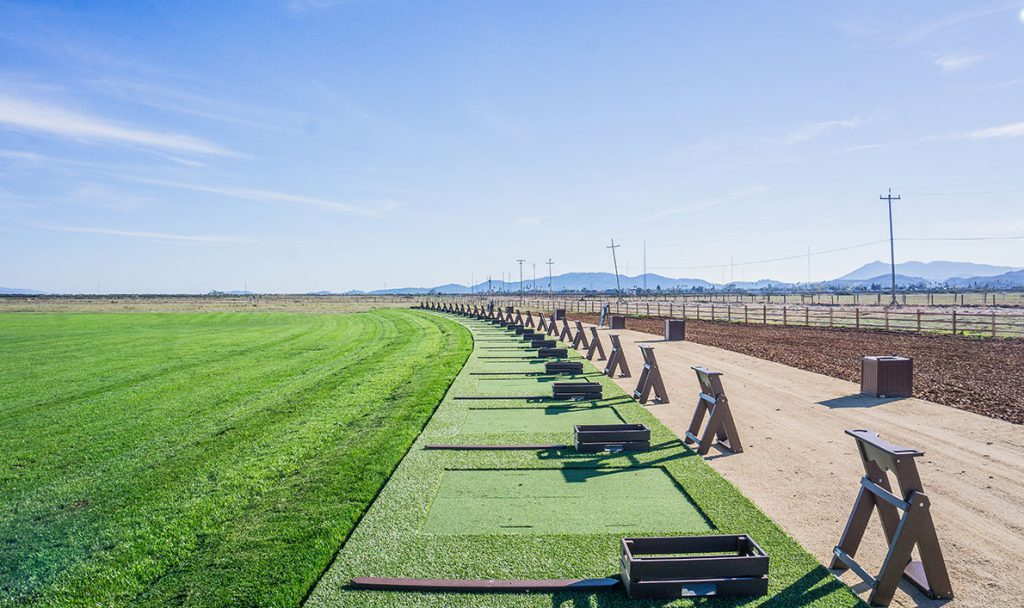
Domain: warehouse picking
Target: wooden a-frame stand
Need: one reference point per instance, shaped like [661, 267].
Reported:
[529, 320]
[519, 317]
[902, 533]
[650, 379]
[581, 337]
[595, 346]
[552, 326]
[616, 360]
[566, 333]
[712, 401]
[542, 325]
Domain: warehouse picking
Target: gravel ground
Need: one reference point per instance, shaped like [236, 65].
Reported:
[977, 375]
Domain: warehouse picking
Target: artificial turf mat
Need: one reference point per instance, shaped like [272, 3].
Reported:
[394, 538]
[554, 419]
[561, 501]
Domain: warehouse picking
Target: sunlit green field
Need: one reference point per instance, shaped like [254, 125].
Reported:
[201, 459]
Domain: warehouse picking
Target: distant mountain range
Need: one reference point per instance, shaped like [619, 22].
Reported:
[874, 275]
[931, 271]
[961, 275]
[14, 291]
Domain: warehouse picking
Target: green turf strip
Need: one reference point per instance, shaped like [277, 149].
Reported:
[552, 419]
[394, 538]
[561, 501]
[201, 459]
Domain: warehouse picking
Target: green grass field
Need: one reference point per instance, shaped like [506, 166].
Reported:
[551, 513]
[201, 459]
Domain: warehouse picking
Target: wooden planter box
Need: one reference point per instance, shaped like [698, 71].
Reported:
[612, 438]
[576, 390]
[617, 322]
[693, 566]
[518, 330]
[529, 334]
[563, 367]
[552, 353]
[675, 330]
[887, 376]
[542, 343]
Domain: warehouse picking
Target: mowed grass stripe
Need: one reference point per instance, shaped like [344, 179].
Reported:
[239, 477]
[421, 526]
[186, 349]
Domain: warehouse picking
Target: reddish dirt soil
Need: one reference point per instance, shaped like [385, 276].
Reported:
[979, 375]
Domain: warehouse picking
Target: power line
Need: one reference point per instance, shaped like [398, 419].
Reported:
[965, 238]
[769, 260]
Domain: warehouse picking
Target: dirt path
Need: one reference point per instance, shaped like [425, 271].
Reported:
[978, 375]
[804, 472]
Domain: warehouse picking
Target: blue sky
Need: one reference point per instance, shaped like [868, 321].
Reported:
[304, 145]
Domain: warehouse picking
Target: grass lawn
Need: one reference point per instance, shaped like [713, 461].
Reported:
[551, 513]
[201, 459]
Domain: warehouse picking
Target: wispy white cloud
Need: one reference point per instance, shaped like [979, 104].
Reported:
[932, 27]
[42, 117]
[152, 236]
[178, 100]
[300, 6]
[815, 130]
[1005, 131]
[951, 62]
[22, 155]
[709, 203]
[375, 209]
[1013, 129]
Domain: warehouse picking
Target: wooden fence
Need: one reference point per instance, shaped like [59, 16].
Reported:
[992, 324]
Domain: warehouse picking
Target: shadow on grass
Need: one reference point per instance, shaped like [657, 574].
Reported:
[807, 589]
[592, 464]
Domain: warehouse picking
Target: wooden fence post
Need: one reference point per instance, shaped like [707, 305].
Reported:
[954, 322]
[993, 317]
[856, 316]
[918, 320]
[764, 314]
[745, 318]
[784, 316]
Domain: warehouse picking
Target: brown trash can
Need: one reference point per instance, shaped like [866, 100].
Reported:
[675, 330]
[618, 322]
[887, 376]
[559, 314]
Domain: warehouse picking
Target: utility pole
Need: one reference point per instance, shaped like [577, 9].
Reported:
[520, 280]
[645, 266]
[550, 264]
[615, 261]
[892, 248]
[490, 289]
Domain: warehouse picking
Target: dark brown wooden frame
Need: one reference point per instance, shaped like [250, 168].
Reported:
[902, 533]
[616, 360]
[650, 379]
[712, 401]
